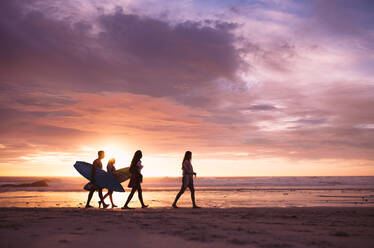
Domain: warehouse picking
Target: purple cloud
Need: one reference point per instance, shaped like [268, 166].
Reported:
[279, 82]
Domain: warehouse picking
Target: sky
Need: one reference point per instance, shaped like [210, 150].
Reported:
[252, 88]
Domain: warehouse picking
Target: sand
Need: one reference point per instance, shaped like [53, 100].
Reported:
[207, 227]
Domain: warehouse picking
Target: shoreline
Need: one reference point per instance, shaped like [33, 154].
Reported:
[137, 208]
[186, 227]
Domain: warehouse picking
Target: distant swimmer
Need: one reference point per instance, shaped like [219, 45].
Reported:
[136, 179]
[187, 179]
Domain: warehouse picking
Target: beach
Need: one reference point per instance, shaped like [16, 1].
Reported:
[237, 212]
[185, 227]
[186, 124]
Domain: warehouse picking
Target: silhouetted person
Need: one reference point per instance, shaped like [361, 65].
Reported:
[111, 170]
[136, 179]
[96, 164]
[187, 180]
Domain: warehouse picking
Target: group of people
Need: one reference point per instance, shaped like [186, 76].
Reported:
[137, 178]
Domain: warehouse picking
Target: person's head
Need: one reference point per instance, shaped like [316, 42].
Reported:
[101, 154]
[111, 161]
[187, 156]
[137, 156]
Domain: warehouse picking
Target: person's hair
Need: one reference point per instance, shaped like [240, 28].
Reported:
[187, 156]
[99, 153]
[111, 161]
[137, 156]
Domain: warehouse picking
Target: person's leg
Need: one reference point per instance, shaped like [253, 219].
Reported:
[183, 188]
[100, 191]
[110, 193]
[130, 197]
[89, 198]
[140, 195]
[106, 195]
[180, 193]
[192, 189]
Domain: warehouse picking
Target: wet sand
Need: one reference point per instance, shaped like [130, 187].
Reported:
[207, 227]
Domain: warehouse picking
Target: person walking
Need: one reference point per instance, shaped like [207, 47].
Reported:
[136, 179]
[187, 180]
[93, 187]
[111, 170]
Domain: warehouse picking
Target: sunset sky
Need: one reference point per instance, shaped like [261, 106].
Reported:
[252, 88]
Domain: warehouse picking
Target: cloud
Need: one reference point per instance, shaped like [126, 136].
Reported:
[262, 107]
[311, 121]
[283, 81]
[129, 53]
[344, 17]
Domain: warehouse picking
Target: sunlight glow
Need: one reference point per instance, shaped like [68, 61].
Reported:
[118, 152]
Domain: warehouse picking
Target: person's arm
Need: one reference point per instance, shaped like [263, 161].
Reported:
[140, 165]
[93, 171]
[188, 168]
[193, 172]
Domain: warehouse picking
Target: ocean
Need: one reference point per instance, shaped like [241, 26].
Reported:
[215, 192]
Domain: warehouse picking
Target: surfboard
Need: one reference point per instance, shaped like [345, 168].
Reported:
[102, 178]
[123, 174]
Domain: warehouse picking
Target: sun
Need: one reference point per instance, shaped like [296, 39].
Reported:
[121, 155]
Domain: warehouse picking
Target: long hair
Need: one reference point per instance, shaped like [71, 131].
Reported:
[187, 156]
[111, 161]
[137, 156]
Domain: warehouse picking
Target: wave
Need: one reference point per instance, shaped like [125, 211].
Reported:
[40, 183]
[201, 183]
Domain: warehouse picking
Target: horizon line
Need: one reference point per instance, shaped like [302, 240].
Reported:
[198, 176]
